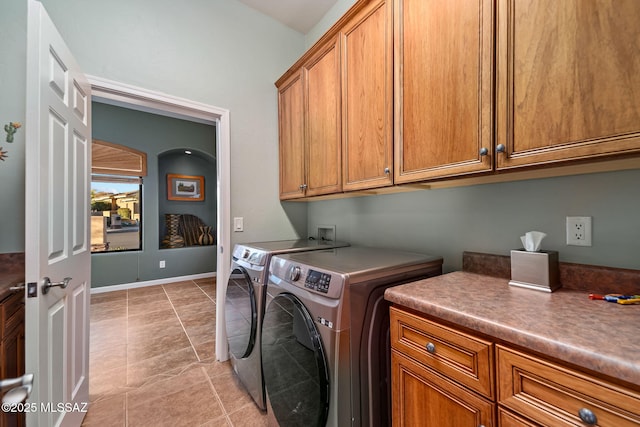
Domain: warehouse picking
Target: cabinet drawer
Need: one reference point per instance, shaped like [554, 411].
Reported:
[459, 356]
[552, 395]
[507, 419]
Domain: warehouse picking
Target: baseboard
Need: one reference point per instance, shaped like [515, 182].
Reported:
[164, 281]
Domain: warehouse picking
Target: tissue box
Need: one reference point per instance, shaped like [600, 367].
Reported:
[535, 270]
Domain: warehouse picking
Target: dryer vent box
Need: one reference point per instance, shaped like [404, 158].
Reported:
[326, 232]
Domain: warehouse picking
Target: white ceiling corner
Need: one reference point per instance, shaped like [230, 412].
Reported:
[301, 15]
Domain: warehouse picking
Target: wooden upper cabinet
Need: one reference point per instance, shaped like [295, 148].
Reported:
[291, 135]
[568, 80]
[443, 59]
[367, 98]
[322, 121]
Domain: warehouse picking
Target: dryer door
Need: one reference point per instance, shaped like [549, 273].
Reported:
[241, 313]
[295, 367]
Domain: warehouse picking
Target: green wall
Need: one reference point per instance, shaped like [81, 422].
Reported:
[491, 218]
[159, 137]
[218, 52]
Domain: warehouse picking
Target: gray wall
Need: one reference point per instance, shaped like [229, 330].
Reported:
[491, 217]
[158, 136]
[219, 52]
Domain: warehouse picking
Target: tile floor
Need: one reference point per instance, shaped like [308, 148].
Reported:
[152, 361]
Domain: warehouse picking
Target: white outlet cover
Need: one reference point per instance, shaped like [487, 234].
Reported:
[579, 231]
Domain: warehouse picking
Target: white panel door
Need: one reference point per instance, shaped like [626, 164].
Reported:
[58, 164]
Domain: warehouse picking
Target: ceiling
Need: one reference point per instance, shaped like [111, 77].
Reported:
[301, 15]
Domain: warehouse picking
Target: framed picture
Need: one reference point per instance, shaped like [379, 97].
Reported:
[187, 188]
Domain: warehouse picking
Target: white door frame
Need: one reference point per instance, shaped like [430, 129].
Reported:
[121, 94]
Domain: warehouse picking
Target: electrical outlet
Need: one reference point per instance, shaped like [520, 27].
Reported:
[162, 264]
[579, 230]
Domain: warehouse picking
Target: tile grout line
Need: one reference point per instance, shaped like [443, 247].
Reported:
[215, 392]
[182, 324]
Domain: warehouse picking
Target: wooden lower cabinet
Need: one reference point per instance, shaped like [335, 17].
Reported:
[12, 349]
[549, 394]
[420, 397]
[435, 384]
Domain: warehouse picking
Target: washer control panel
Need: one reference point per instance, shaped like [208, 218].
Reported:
[322, 282]
[318, 281]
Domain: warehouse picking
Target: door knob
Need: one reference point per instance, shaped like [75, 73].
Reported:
[17, 288]
[48, 285]
[18, 389]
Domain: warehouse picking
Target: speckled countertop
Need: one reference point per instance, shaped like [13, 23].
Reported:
[597, 335]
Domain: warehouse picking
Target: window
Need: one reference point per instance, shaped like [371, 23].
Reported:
[116, 213]
[116, 197]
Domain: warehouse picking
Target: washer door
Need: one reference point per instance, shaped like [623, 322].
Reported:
[295, 367]
[241, 314]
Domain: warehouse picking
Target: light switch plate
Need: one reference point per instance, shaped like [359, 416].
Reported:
[238, 223]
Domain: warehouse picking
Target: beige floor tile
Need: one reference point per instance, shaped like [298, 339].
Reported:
[231, 392]
[205, 350]
[144, 307]
[109, 412]
[151, 318]
[198, 306]
[108, 296]
[108, 311]
[155, 364]
[107, 358]
[147, 347]
[107, 382]
[139, 372]
[192, 406]
[145, 292]
[249, 416]
[193, 374]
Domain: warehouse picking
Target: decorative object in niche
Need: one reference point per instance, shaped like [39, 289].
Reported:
[205, 238]
[172, 239]
[187, 188]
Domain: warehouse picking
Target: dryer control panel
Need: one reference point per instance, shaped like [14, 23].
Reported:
[318, 281]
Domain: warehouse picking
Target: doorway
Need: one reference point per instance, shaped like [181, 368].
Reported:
[119, 94]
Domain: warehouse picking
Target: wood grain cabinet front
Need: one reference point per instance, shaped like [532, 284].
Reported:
[12, 349]
[367, 98]
[439, 376]
[309, 124]
[568, 77]
[548, 394]
[443, 71]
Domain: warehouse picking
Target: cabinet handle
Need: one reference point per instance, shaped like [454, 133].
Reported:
[484, 151]
[501, 148]
[431, 348]
[303, 186]
[587, 416]
[387, 171]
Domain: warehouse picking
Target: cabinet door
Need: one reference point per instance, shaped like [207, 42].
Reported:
[12, 366]
[291, 134]
[422, 398]
[568, 80]
[367, 98]
[322, 121]
[443, 88]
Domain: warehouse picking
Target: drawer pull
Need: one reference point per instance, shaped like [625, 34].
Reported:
[587, 416]
[431, 348]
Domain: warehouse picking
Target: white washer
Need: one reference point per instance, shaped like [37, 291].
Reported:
[245, 302]
[325, 336]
